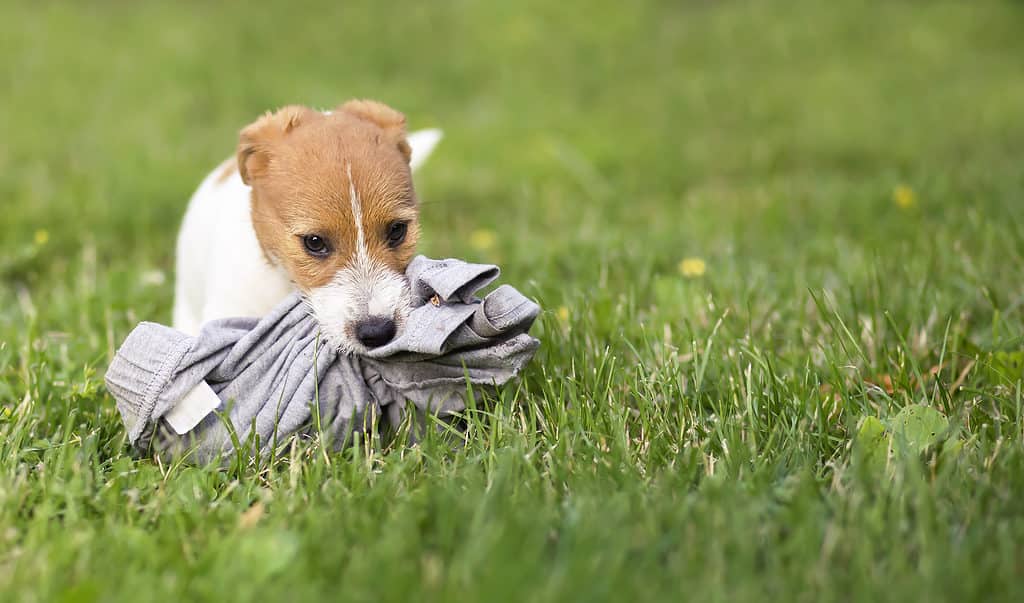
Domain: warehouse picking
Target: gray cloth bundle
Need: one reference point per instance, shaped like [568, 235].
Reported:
[274, 377]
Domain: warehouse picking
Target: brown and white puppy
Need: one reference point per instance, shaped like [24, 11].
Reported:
[319, 201]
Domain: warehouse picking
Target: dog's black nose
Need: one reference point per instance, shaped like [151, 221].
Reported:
[375, 331]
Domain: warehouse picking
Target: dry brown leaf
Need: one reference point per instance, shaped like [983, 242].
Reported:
[883, 381]
[251, 516]
[960, 379]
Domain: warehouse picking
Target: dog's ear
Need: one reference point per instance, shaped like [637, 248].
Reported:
[384, 117]
[256, 140]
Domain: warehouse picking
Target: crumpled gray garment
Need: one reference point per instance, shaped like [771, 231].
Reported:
[276, 377]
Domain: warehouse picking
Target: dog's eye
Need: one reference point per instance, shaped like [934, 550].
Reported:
[316, 245]
[396, 233]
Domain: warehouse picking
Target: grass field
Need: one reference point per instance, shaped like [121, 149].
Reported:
[758, 229]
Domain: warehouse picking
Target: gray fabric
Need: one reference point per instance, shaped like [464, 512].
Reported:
[277, 378]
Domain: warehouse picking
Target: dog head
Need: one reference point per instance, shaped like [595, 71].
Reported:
[333, 203]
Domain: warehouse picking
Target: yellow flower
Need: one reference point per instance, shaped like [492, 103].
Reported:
[41, 237]
[692, 267]
[904, 196]
[153, 277]
[562, 313]
[482, 239]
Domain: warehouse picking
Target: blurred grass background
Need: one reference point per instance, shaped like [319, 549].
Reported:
[846, 176]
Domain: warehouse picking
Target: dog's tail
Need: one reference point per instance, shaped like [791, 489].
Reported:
[422, 143]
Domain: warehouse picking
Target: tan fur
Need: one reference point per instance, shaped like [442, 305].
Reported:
[297, 162]
[389, 120]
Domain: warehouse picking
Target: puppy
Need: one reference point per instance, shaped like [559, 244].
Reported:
[322, 202]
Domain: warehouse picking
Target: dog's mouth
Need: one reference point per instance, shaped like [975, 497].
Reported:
[357, 316]
[362, 336]
[373, 332]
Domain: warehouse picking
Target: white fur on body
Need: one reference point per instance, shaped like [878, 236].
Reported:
[221, 268]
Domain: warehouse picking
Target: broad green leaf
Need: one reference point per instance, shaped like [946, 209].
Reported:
[871, 445]
[1006, 367]
[951, 451]
[916, 428]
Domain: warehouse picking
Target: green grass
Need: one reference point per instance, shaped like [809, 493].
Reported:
[676, 437]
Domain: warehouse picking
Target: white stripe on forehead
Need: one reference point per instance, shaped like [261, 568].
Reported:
[360, 290]
[362, 255]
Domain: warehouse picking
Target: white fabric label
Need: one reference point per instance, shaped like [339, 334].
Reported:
[192, 409]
